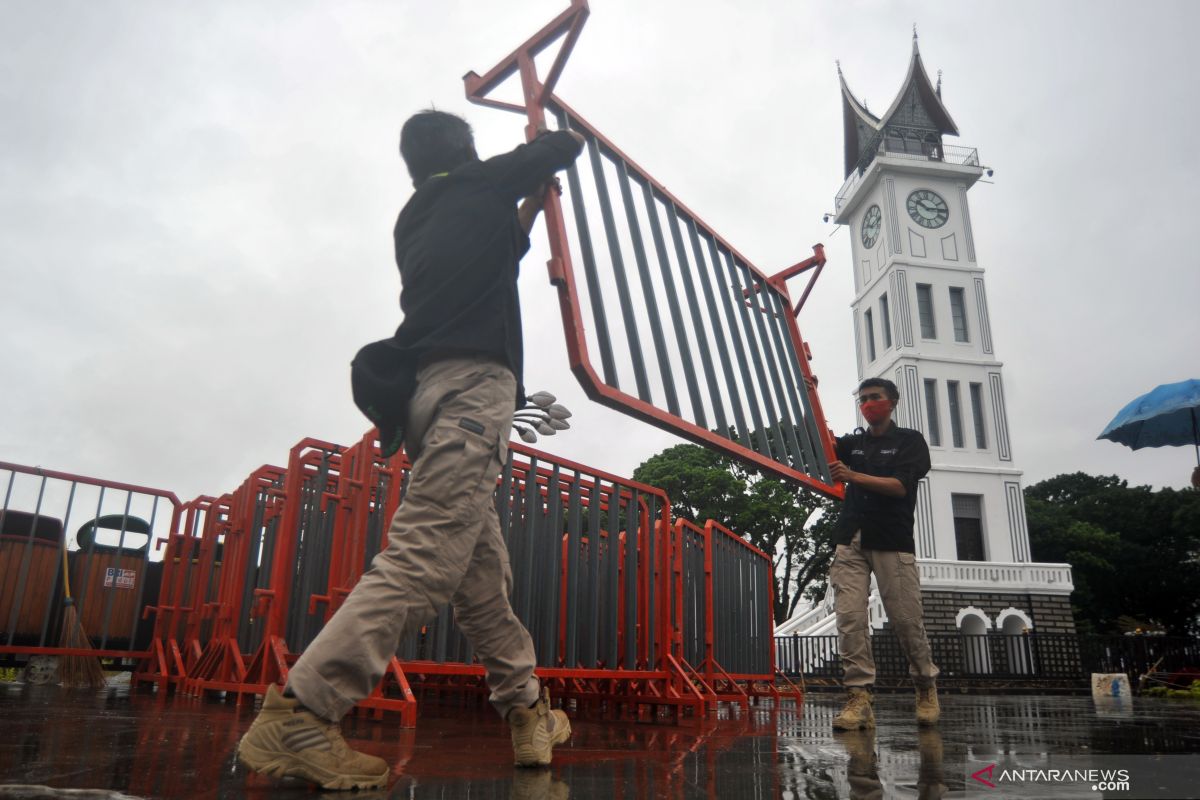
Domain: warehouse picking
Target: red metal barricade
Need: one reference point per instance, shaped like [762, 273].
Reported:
[726, 366]
[602, 579]
[725, 601]
[108, 559]
[186, 562]
[630, 612]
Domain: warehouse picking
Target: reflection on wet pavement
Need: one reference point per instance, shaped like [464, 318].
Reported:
[162, 746]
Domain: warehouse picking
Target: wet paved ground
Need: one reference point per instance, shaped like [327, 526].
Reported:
[150, 746]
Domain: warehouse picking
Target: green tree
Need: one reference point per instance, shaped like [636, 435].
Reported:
[792, 525]
[1134, 552]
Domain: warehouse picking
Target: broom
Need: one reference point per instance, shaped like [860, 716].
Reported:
[75, 670]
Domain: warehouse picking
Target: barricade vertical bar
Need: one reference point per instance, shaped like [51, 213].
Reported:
[540, 558]
[109, 595]
[810, 436]
[730, 600]
[688, 591]
[715, 326]
[719, 578]
[592, 637]
[516, 537]
[746, 608]
[691, 609]
[23, 572]
[632, 562]
[258, 575]
[709, 603]
[768, 650]
[721, 590]
[9, 632]
[248, 557]
[783, 420]
[537, 558]
[440, 633]
[754, 350]
[648, 292]
[822, 445]
[739, 592]
[760, 633]
[757, 437]
[721, 599]
[614, 248]
[681, 342]
[61, 546]
[190, 590]
[651, 583]
[668, 592]
[762, 600]
[588, 253]
[504, 506]
[724, 601]
[81, 586]
[614, 566]
[574, 543]
[738, 589]
[197, 595]
[645, 576]
[136, 610]
[532, 495]
[813, 414]
[553, 540]
[794, 381]
[693, 303]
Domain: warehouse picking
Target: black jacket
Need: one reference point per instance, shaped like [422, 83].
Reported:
[458, 245]
[886, 522]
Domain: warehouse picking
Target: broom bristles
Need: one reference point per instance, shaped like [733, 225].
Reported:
[81, 671]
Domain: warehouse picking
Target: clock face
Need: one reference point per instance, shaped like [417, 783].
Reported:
[927, 209]
[872, 223]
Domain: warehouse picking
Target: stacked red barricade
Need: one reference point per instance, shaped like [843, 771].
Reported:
[631, 612]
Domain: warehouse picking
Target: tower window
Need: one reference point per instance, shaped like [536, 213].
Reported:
[968, 526]
[885, 321]
[925, 311]
[977, 415]
[931, 412]
[958, 313]
[956, 426]
[870, 326]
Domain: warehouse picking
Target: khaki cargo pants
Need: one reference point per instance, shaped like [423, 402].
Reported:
[900, 590]
[444, 545]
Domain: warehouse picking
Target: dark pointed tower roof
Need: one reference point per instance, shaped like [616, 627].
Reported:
[917, 107]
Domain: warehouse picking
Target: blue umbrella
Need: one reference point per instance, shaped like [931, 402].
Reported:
[1166, 416]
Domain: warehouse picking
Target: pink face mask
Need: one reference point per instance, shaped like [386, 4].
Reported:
[876, 411]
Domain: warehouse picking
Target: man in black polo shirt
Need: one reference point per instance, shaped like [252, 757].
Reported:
[457, 359]
[880, 467]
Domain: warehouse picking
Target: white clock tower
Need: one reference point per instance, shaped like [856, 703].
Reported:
[921, 319]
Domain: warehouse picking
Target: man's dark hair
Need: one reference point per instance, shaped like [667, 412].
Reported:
[888, 387]
[433, 141]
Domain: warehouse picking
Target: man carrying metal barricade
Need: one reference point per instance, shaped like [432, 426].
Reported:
[447, 385]
[880, 466]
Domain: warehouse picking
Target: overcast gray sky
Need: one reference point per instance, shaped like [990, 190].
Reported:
[197, 202]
